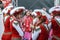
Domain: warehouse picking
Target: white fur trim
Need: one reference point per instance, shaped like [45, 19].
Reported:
[53, 8]
[58, 9]
[16, 9]
[8, 7]
[44, 13]
[36, 10]
[40, 10]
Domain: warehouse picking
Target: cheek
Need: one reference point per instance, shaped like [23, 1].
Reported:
[27, 14]
[20, 15]
[40, 20]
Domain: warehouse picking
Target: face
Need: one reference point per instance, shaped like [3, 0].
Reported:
[19, 16]
[4, 14]
[39, 14]
[43, 19]
[28, 13]
[44, 9]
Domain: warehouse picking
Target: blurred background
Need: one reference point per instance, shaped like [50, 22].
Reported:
[32, 4]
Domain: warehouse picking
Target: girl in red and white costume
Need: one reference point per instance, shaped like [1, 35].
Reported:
[15, 24]
[41, 30]
[7, 33]
[55, 11]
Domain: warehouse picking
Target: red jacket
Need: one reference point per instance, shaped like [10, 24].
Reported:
[56, 28]
[44, 33]
[7, 25]
[15, 34]
[7, 32]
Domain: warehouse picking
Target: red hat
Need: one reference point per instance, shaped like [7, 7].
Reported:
[55, 10]
[17, 10]
[36, 12]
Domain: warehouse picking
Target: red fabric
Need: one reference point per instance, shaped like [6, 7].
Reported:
[9, 11]
[56, 12]
[14, 31]
[27, 21]
[54, 39]
[5, 5]
[44, 33]
[38, 13]
[7, 25]
[56, 28]
[7, 29]
[6, 2]
[47, 21]
[6, 37]
[44, 17]
[18, 12]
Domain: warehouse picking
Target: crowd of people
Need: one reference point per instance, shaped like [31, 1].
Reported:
[23, 24]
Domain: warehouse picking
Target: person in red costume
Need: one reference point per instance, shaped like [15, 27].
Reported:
[7, 33]
[15, 24]
[44, 29]
[41, 30]
[55, 11]
[26, 25]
